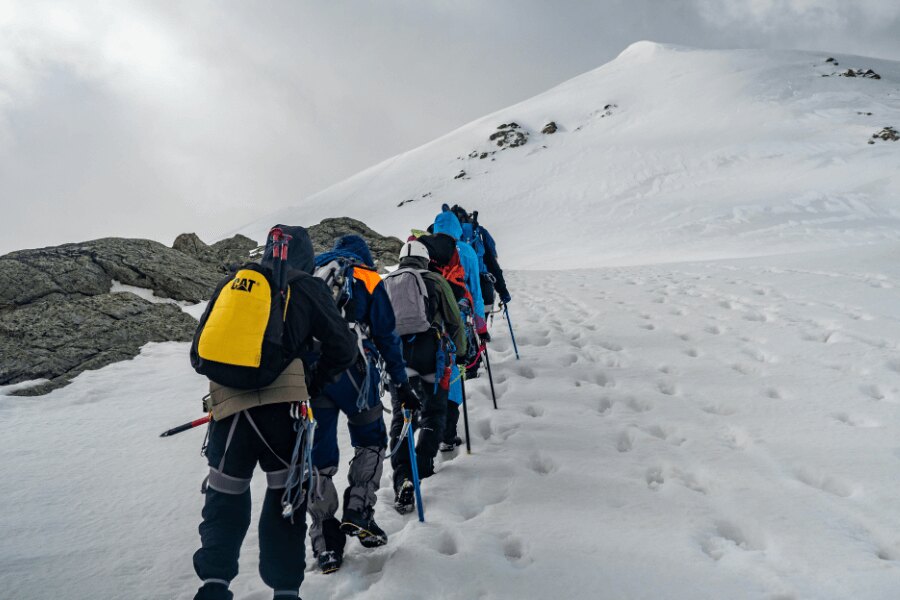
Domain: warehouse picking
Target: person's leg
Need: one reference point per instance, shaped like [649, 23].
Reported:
[226, 509]
[432, 421]
[324, 530]
[369, 438]
[450, 434]
[282, 551]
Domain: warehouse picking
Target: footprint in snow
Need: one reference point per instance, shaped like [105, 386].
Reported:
[873, 391]
[826, 483]
[665, 434]
[625, 441]
[516, 551]
[722, 410]
[474, 500]
[654, 478]
[534, 411]
[525, 371]
[447, 544]
[855, 420]
[541, 463]
[667, 388]
[692, 352]
[727, 537]
[774, 393]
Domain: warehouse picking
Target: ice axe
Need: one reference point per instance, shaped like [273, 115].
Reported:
[186, 426]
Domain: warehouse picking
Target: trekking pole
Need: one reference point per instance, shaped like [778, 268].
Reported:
[511, 334]
[186, 426]
[413, 463]
[487, 363]
[462, 383]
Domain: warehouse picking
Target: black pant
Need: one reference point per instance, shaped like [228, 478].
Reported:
[226, 512]
[452, 421]
[430, 421]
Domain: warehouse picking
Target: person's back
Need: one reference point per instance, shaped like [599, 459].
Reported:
[349, 270]
[447, 223]
[428, 355]
[263, 433]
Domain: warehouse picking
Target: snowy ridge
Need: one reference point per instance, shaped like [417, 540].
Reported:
[708, 430]
[664, 154]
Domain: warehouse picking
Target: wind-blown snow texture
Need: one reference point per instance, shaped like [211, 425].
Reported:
[700, 154]
[692, 430]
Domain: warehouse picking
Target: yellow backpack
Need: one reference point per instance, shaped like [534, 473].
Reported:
[240, 341]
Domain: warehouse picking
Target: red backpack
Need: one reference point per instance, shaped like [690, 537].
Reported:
[455, 275]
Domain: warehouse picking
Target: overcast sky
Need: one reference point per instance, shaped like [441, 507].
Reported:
[151, 118]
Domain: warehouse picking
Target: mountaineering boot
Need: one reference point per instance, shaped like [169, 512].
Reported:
[450, 447]
[214, 591]
[356, 524]
[405, 499]
[330, 561]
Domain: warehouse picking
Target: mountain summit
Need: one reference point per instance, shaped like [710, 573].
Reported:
[666, 153]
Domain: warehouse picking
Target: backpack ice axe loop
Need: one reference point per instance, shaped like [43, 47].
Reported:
[280, 242]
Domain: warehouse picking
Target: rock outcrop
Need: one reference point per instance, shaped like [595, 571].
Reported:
[66, 312]
[56, 340]
[384, 248]
[63, 318]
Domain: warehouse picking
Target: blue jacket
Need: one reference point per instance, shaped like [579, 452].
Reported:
[373, 308]
[447, 223]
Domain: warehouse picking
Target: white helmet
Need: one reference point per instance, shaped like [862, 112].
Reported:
[414, 248]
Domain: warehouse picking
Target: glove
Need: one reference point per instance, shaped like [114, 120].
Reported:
[480, 325]
[484, 336]
[505, 298]
[318, 381]
[408, 397]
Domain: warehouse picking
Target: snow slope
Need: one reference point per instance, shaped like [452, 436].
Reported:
[679, 429]
[703, 154]
[709, 430]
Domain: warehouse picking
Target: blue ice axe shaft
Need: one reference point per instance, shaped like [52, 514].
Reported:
[411, 441]
[512, 335]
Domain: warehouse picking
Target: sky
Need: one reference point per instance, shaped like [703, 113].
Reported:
[149, 118]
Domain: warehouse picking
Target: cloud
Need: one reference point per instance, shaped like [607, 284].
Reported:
[858, 26]
[147, 118]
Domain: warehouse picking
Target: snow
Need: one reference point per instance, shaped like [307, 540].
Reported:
[707, 403]
[704, 154]
[195, 310]
[706, 430]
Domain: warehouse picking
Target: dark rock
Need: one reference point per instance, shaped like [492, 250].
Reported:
[62, 318]
[868, 73]
[460, 175]
[58, 340]
[224, 255]
[235, 250]
[384, 248]
[550, 128]
[888, 134]
[509, 136]
[192, 245]
[87, 269]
